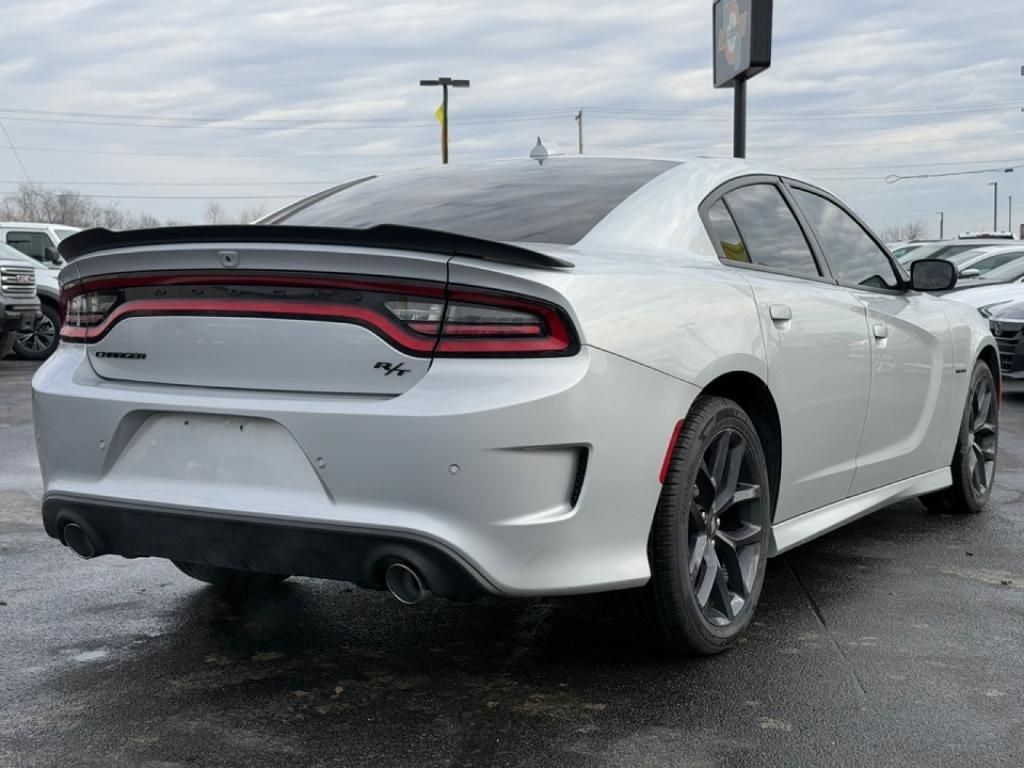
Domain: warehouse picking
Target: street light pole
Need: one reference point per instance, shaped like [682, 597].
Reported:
[445, 82]
[579, 131]
[1009, 217]
[942, 224]
[995, 205]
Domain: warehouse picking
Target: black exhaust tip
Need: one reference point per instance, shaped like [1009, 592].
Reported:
[78, 541]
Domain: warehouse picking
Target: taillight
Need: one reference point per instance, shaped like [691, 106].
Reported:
[489, 324]
[420, 319]
[90, 309]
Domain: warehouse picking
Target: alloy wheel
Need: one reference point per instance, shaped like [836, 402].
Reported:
[727, 517]
[981, 455]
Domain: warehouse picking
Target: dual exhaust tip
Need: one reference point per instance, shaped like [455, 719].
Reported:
[402, 581]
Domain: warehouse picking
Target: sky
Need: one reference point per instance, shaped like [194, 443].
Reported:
[165, 106]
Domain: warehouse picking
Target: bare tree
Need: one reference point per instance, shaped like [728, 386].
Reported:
[215, 213]
[911, 230]
[33, 202]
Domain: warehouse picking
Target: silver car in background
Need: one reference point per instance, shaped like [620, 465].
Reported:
[586, 375]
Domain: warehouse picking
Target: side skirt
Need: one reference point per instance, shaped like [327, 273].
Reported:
[811, 525]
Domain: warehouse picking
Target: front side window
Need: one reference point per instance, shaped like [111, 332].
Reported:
[854, 257]
[770, 233]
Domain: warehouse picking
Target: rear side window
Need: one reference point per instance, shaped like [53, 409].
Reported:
[770, 234]
[854, 257]
[724, 232]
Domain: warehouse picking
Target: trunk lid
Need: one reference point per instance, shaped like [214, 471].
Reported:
[274, 316]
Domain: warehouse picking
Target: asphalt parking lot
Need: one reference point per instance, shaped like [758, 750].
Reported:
[896, 641]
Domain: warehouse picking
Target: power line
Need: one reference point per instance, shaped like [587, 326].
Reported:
[218, 155]
[127, 120]
[180, 183]
[15, 151]
[894, 178]
[188, 197]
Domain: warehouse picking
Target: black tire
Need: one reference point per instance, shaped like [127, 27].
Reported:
[977, 447]
[229, 578]
[6, 344]
[42, 340]
[679, 609]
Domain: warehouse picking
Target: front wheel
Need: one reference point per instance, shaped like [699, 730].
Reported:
[977, 445]
[709, 542]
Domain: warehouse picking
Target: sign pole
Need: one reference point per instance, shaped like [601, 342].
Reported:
[739, 128]
[741, 49]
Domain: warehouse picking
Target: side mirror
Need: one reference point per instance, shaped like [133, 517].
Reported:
[50, 255]
[932, 275]
[970, 272]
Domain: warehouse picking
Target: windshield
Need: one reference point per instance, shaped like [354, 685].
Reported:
[964, 256]
[557, 202]
[917, 253]
[903, 250]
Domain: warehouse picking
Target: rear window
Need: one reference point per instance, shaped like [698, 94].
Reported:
[557, 202]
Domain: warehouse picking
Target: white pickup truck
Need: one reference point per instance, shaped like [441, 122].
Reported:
[19, 304]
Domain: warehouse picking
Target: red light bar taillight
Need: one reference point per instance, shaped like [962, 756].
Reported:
[419, 319]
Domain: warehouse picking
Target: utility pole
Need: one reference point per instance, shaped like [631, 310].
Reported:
[579, 131]
[942, 224]
[995, 205]
[445, 82]
[1009, 217]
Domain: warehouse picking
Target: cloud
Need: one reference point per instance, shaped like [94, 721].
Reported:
[852, 87]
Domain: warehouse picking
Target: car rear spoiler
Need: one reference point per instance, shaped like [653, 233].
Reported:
[381, 236]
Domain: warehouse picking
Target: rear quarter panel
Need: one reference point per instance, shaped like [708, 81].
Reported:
[689, 318]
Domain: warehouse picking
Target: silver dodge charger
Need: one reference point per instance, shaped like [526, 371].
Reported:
[515, 378]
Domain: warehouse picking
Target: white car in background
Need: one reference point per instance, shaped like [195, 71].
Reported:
[980, 261]
[1002, 285]
[510, 378]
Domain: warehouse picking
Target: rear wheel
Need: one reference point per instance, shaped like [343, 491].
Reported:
[229, 578]
[974, 462]
[709, 541]
[39, 342]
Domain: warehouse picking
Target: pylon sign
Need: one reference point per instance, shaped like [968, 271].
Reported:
[743, 40]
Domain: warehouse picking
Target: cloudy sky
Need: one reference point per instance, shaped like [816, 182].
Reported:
[166, 105]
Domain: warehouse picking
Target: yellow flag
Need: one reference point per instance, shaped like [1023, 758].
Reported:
[440, 114]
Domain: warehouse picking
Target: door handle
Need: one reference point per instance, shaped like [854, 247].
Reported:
[780, 313]
[881, 331]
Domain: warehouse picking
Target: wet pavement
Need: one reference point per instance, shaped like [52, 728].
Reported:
[898, 640]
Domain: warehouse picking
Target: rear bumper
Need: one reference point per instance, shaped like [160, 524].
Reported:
[533, 476]
[263, 545]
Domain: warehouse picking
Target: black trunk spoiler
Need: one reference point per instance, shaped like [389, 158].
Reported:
[381, 236]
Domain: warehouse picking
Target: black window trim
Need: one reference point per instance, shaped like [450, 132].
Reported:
[902, 278]
[739, 182]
